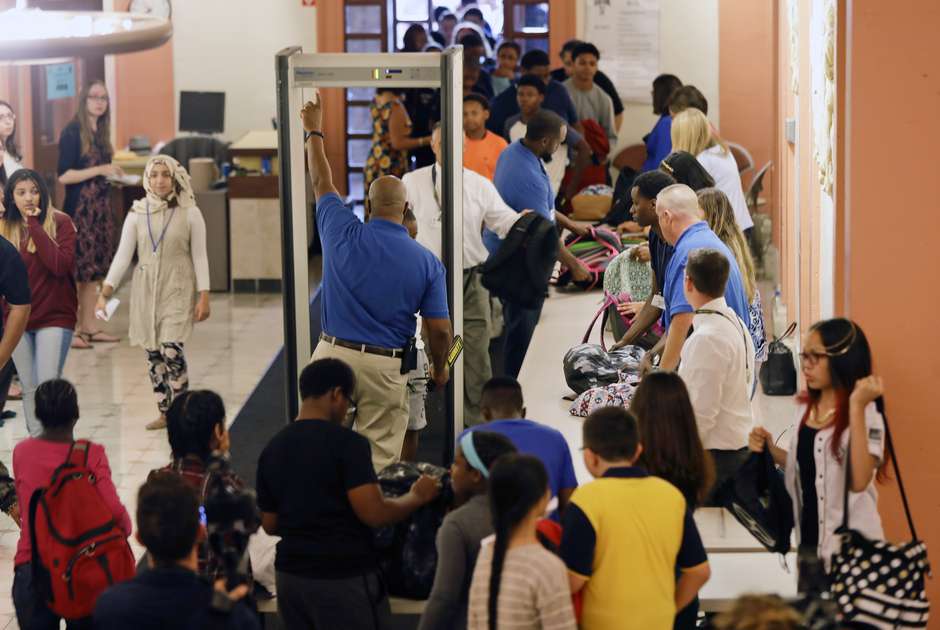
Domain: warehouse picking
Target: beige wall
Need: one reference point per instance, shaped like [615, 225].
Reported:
[229, 46]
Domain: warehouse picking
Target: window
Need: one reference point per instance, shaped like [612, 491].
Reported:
[527, 24]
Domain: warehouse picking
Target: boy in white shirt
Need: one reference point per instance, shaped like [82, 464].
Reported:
[717, 365]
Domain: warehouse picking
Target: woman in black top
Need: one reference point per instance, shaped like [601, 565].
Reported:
[84, 164]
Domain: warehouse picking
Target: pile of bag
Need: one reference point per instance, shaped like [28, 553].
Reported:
[407, 551]
[594, 251]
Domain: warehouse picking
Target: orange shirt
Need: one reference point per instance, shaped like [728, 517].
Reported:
[480, 155]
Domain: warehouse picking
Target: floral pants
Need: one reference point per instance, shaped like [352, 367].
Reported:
[168, 373]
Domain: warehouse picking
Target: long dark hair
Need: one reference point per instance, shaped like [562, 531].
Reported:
[517, 484]
[663, 87]
[9, 145]
[672, 448]
[191, 421]
[409, 37]
[849, 361]
[683, 166]
[13, 223]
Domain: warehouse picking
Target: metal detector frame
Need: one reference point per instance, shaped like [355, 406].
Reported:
[297, 71]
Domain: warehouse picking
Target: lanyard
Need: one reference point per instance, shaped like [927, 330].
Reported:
[156, 243]
[747, 363]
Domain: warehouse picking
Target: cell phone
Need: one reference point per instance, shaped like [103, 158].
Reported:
[455, 349]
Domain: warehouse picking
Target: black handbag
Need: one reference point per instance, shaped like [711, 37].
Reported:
[875, 582]
[778, 372]
[757, 497]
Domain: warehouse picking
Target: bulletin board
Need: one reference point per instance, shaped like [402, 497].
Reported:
[627, 34]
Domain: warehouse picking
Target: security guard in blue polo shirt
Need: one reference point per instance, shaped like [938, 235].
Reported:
[375, 278]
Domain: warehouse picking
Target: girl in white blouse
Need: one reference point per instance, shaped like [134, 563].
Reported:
[839, 420]
[9, 153]
[691, 132]
[171, 281]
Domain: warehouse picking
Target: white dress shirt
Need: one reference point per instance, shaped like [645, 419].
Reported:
[723, 168]
[830, 483]
[482, 207]
[9, 164]
[718, 369]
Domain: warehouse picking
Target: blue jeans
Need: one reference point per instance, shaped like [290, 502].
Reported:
[39, 357]
[519, 323]
[31, 610]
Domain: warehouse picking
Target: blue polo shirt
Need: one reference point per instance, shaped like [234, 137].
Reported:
[375, 278]
[541, 441]
[695, 237]
[658, 143]
[522, 182]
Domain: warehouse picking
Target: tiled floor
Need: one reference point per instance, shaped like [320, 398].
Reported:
[228, 353]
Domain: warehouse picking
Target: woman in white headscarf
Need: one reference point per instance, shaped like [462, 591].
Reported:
[171, 281]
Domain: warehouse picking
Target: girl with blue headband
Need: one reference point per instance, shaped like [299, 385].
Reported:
[458, 539]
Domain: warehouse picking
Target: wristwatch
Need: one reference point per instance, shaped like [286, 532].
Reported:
[313, 133]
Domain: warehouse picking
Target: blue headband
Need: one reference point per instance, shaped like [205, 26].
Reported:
[470, 454]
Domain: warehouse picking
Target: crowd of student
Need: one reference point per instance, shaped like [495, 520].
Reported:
[628, 554]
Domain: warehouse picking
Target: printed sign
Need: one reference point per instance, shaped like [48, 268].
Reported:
[60, 81]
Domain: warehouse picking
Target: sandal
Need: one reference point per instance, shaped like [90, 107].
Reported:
[156, 425]
[99, 336]
[81, 341]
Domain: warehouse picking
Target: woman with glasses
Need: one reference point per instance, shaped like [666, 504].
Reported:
[9, 153]
[84, 165]
[839, 421]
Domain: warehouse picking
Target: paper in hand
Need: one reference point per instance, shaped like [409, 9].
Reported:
[109, 309]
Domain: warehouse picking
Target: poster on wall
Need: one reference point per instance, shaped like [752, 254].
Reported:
[60, 81]
[627, 34]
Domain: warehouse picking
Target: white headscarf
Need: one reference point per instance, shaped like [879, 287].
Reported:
[182, 190]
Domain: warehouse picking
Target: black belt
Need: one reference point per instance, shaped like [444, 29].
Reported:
[362, 347]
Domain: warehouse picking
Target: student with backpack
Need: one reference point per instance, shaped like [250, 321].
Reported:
[75, 574]
[533, 581]
[627, 534]
[196, 430]
[458, 539]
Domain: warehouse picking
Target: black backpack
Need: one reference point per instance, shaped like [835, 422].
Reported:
[520, 270]
[758, 499]
[778, 372]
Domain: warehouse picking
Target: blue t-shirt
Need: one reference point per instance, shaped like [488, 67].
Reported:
[375, 278]
[544, 442]
[523, 184]
[557, 99]
[658, 143]
[695, 237]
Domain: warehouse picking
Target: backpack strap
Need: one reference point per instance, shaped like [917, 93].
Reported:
[78, 453]
[609, 300]
[41, 585]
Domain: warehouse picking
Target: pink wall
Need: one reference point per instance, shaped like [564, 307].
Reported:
[892, 131]
[747, 82]
[144, 94]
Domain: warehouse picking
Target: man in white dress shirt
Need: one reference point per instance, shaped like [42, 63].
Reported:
[717, 364]
[482, 207]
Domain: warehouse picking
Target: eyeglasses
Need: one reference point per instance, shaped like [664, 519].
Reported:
[10, 116]
[99, 99]
[811, 359]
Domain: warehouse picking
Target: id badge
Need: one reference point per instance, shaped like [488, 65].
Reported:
[659, 301]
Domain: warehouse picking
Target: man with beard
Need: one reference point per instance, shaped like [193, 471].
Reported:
[523, 183]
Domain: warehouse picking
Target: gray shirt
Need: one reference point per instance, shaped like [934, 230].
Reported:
[458, 543]
[594, 104]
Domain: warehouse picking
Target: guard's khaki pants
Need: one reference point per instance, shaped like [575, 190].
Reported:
[380, 397]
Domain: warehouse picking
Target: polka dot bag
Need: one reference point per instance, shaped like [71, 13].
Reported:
[876, 582]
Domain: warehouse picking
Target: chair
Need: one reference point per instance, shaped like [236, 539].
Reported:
[184, 148]
[632, 156]
[742, 156]
[752, 196]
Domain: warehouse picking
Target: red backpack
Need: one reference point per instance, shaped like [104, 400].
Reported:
[78, 548]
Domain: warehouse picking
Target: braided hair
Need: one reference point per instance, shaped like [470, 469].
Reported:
[517, 484]
[56, 404]
[191, 421]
